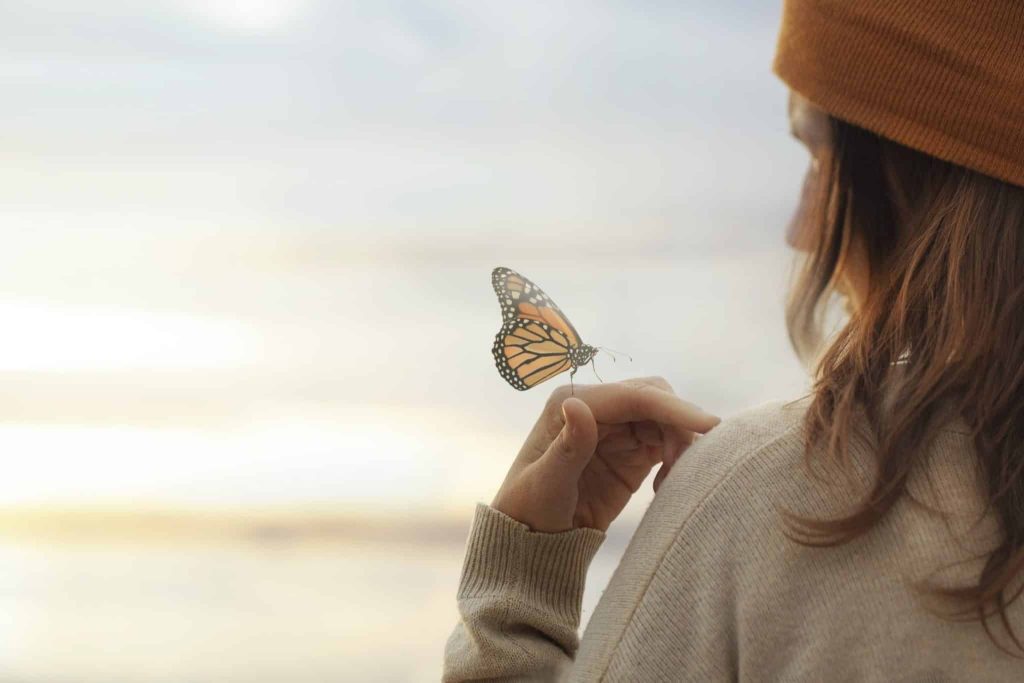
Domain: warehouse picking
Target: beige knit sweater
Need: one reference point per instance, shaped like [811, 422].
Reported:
[709, 589]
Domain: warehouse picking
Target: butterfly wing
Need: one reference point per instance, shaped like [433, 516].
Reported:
[528, 352]
[521, 299]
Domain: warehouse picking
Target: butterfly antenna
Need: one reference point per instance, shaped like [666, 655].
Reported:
[612, 352]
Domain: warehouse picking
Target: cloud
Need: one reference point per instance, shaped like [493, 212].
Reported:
[394, 120]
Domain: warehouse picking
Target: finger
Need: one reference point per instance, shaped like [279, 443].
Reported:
[666, 467]
[668, 464]
[572, 449]
[629, 468]
[676, 441]
[609, 430]
[632, 458]
[638, 402]
[618, 443]
[624, 437]
[629, 436]
[648, 432]
[659, 382]
[660, 476]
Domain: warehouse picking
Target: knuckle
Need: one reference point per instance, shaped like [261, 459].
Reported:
[646, 388]
[561, 447]
[553, 409]
[656, 381]
[558, 395]
[646, 398]
[555, 423]
[638, 396]
[662, 383]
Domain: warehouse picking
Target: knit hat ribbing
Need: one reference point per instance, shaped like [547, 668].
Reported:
[942, 77]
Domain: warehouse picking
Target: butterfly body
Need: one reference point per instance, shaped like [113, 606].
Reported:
[536, 341]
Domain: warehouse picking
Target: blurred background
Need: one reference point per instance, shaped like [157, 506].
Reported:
[247, 401]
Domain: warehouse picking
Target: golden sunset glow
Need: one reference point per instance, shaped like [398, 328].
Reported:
[246, 380]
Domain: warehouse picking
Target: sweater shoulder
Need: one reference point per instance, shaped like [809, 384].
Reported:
[772, 430]
[762, 424]
[746, 458]
[754, 461]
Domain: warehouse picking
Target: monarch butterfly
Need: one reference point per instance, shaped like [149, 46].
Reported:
[536, 341]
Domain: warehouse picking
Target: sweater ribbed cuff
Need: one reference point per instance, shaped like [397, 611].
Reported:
[545, 571]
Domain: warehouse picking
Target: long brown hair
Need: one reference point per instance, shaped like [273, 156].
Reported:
[944, 312]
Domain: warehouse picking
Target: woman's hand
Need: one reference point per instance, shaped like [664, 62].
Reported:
[588, 454]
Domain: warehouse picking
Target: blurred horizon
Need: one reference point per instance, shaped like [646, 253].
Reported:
[235, 214]
[246, 389]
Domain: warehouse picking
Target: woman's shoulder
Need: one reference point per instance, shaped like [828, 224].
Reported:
[764, 422]
[752, 457]
[756, 459]
[771, 430]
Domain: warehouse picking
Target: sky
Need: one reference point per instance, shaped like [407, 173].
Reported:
[396, 124]
[248, 245]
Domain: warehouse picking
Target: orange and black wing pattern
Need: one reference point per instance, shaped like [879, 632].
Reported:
[522, 299]
[527, 352]
[536, 341]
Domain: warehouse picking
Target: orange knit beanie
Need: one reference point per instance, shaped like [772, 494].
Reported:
[944, 77]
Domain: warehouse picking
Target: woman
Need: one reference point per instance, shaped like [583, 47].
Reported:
[873, 529]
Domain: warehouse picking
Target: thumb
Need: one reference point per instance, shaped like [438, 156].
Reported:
[574, 446]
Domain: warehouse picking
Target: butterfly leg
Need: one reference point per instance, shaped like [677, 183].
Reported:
[572, 387]
[594, 366]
